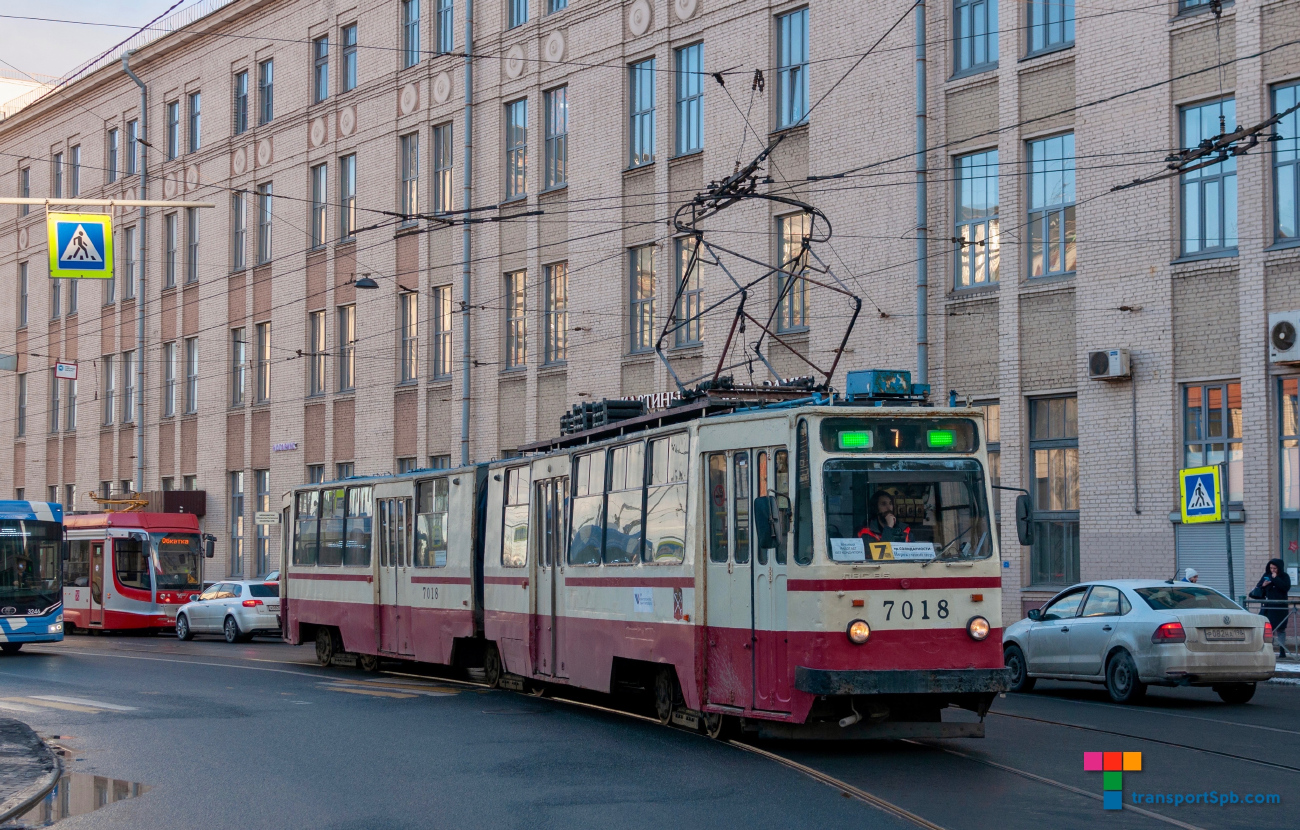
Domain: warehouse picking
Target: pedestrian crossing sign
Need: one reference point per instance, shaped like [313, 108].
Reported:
[81, 245]
[1199, 493]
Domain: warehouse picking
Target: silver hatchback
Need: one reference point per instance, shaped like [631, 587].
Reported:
[1131, 633]
[236, 610]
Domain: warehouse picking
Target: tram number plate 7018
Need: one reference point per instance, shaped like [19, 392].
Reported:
[908, 609]
[430, 592]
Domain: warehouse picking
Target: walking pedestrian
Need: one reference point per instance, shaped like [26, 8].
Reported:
[1273, 588]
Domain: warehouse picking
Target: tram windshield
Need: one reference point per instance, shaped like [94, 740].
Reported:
[30, 579]
[177, 557]
[906, 510]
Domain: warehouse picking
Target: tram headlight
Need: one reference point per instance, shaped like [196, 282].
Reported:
[858, 632]
[977, 628]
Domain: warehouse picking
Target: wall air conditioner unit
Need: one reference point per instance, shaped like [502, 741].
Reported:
[1283, 343]
[1111, 364]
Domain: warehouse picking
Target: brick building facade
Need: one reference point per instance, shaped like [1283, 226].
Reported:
[313, 126]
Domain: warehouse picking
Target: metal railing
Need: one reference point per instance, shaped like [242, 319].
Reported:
[1290, 636]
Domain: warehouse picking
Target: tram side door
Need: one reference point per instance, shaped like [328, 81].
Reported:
[551, 504]
[394, 559]
[97, 583]
[771, 623]
[729, 580]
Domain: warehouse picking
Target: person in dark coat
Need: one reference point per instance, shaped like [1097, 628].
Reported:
[1275, 584]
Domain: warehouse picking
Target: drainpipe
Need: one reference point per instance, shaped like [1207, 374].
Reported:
[922, 256]
[468, 174]
[140, 291]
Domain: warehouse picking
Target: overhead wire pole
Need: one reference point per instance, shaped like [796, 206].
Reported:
[922, 220]
[467, 172]
[141, 295]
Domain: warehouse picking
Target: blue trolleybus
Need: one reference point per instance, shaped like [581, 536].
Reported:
[31, 581]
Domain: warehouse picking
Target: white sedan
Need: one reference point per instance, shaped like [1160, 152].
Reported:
[236, 610]
[1131, 633]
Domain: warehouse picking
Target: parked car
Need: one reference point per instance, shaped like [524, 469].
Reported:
[237, 610]
[1132, 633]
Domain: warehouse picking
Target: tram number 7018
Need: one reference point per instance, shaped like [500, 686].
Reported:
[430, 592]
[907, 609]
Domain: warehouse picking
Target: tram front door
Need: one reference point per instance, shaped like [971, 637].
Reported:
[552, 505]
[771, 623]
[729, 587]
[97, 583]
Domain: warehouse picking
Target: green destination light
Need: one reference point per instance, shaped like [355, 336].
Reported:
[940, 437]
[855, 440]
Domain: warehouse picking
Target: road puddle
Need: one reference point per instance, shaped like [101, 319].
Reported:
[77, 793]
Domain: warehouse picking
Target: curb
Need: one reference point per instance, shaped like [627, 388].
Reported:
[24, 800]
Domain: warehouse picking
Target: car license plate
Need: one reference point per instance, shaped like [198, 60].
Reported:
[1224, 635]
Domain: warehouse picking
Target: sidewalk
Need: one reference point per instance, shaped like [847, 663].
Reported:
[27, 768]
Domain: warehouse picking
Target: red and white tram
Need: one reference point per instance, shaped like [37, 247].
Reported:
[130, 571]
[809, 568]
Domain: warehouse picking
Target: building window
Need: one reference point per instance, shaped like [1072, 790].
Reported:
[70, 421]
[74, 171]
[54, 402]
[241, 102]
[191, 375]
[345, 469]
[439, 462]
[110, 389]
[1051, 206]
[318, 183]
[406, 465]
[977, 255]
[442, 161]
[173, 129]
[441, 368]
[516, 148]
[553, 6]
[975, 31]
[347, 197]
[265, 92]
[993, 443]
[410, 190]
[56, 299]
[316, 377]
[169, 250]
[237, 523]
[196, 122]
[262, 392]
[130, 259]
[409, 365]
[169, 380]
[110, 165]
[641, 299]
[1209, 195]
[446, 27]
[262, 482]
[191, 245]
[641, 127]
[516, 13]
[792, 285]
[555, 314]
[56, 175]
[557, 137]
[689, 292]
[1051, 24]
[132, 147]
[23, 289]
[189, 482]
[349, 69]
[1286, 161]
[1054, 461]
[1289, 435]
[21, 424]
[1211, 421]
[264, 195]
[792, 68]
[73, 285]
[129, 370]
[320, 69]
[315, 473]
[347, 341]
[516, 319]
[238, 230]
[410, 33]
[24, 189]
[690, 99]
[168, 483]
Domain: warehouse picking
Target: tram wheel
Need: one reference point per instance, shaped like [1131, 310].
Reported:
[368, 662]
[665, 695]
[325, 650]
[719, 727]
[492, 666]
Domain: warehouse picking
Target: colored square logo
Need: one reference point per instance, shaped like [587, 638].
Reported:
[1112, 800]
[1112, 766]
[1112, 781]
[1092, 761]
[1113, 761]
[1132, 761]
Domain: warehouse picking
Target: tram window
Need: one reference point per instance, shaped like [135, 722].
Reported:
[357, 529]
[588, 498]
[131, 563]
[623, 526]
[781, 487]
[431, 524]
[740, 505]
[803, 529]
[76, 571]
[385, 535]
[514, 529]
[718, 507]
[307, 533]
[333, 509]
[665, 508]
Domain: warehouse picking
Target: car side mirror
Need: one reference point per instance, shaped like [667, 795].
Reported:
[194, 597]
[1024, 524]
[209, 545]
[765, 517]
[1035, 614]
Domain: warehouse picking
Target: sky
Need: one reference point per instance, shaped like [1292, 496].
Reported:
[44, 48]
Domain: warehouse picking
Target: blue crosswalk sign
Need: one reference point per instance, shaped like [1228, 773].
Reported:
[1199, 492]
[81, 245]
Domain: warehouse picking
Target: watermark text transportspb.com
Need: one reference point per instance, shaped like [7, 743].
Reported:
[1212, 797]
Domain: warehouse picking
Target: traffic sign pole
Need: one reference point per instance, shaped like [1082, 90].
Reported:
[1227, 524]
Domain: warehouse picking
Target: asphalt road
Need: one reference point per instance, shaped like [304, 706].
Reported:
[257, 735]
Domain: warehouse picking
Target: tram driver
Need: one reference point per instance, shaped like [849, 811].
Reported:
[884, 525]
